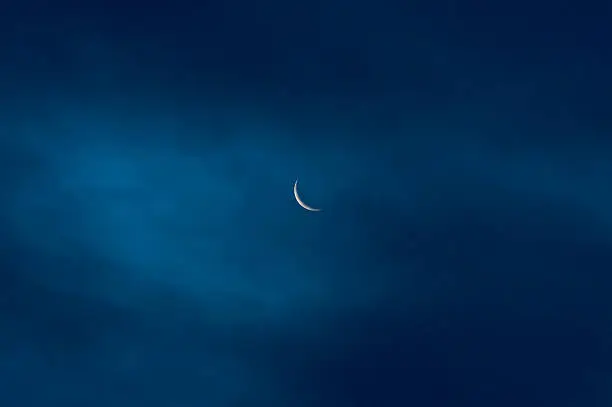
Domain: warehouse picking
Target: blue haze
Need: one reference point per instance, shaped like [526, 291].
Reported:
[153, 254]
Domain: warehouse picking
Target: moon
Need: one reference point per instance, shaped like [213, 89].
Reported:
[299, 200]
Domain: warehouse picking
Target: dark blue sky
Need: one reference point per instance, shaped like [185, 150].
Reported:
[153, 254]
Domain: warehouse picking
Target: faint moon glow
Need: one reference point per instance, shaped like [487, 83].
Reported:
[299, 200]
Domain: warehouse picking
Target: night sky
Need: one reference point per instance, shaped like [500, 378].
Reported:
[153, 254]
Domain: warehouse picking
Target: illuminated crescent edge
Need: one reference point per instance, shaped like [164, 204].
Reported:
[299, 200]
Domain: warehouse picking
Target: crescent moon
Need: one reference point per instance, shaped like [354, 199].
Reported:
[299, 200]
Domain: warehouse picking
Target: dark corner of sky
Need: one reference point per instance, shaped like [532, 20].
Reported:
[155, 250]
